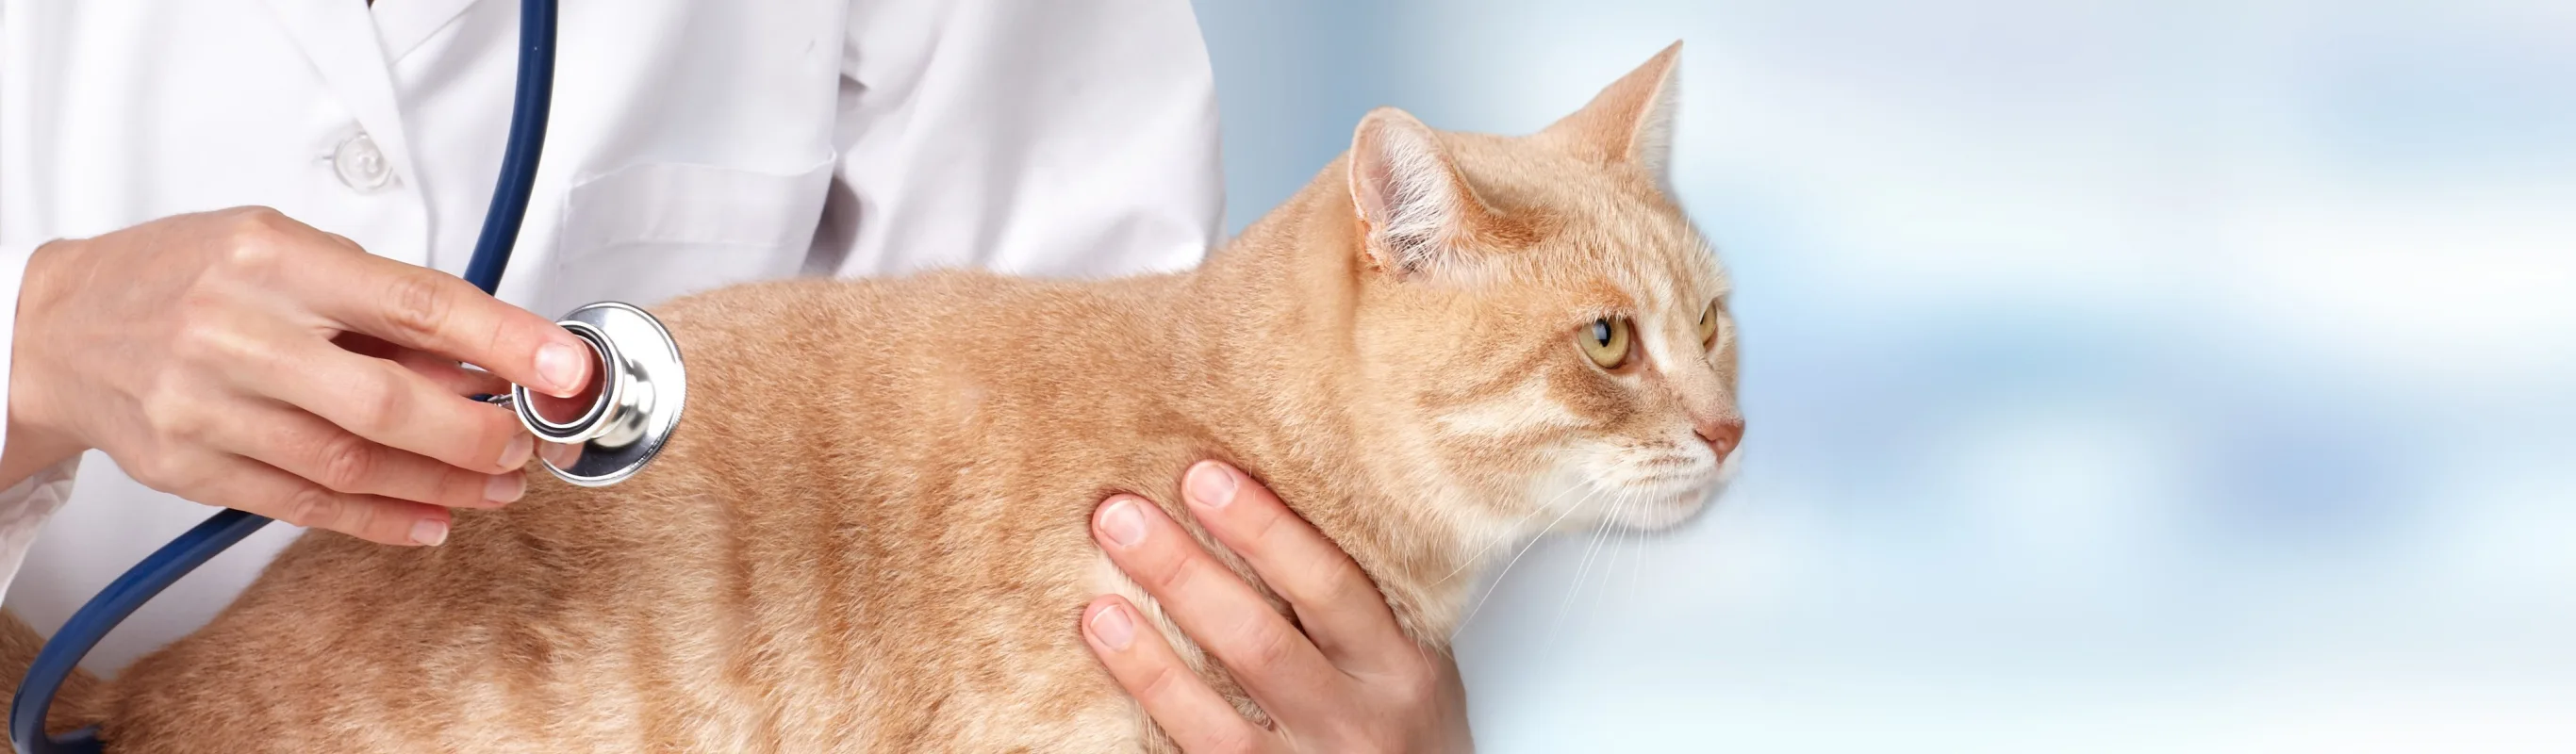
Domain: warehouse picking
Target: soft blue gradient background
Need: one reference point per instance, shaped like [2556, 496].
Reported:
[2123, 376]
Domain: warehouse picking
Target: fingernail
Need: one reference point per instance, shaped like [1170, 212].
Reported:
[1210, 485]
[505, 488]
[1113, 627]
[560, 364]
[515, 455]
[562, 455]
[1123, 523]
[428, 532]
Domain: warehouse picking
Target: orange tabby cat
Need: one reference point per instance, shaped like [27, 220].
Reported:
[871, 533]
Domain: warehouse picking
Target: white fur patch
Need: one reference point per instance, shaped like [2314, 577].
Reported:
[1652, 145]
[1525, 409]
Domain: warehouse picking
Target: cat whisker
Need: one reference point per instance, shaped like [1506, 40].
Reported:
[1609, 541]
[1516, 525]
[1588, 497]
[1617, 545]
[1637, 570]
[1576, 588]
[1628, 539]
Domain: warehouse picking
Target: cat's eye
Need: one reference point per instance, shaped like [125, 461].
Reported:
[1708, 326]
[1605, 341]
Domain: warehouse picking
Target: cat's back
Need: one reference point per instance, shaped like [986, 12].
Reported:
[809, 341]
[938, 370]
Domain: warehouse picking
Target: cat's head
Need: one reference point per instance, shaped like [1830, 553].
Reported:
[1538, 320]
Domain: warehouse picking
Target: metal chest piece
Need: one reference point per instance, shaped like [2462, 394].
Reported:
[642, 388]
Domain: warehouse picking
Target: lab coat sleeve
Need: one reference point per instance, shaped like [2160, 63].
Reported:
[23, 506]
[1063, 139]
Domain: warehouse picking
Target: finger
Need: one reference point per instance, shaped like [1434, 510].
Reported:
[1190, 712]
[1340, 608]
[562, 455]
[446, 372]
[566, 410]
[1218, 610]
[302, 444]
[421, 308]
[259, 488]
[452, 377]
[392, 406]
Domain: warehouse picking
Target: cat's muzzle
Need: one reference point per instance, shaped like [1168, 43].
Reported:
[638, 392]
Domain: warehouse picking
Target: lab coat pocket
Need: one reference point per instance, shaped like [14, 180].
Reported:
[646, 233]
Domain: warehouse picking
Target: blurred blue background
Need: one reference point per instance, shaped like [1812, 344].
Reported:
[2137, 375]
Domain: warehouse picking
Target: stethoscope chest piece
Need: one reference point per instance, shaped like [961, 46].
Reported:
[641, 388]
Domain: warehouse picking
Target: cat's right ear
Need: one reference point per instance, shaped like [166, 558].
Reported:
[1415, 209]
[1631, 121]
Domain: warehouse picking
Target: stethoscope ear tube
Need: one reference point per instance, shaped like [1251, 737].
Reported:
[62, 654]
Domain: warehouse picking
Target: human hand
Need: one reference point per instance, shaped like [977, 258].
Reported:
[243, 359]
[1350, 682]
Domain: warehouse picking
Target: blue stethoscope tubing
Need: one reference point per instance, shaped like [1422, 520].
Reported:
[91, 623]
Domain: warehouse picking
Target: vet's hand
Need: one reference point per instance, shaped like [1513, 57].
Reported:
[1351, 681]
[243, 359]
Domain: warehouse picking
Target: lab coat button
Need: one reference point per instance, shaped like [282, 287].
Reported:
[361, 165]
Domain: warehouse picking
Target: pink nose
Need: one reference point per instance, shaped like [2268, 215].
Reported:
[1722, 436]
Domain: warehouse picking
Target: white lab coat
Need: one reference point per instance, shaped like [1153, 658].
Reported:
[693, 143]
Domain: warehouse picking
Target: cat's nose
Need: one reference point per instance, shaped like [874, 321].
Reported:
[1722, 436]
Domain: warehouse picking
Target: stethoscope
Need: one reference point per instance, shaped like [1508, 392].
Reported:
[642, 389]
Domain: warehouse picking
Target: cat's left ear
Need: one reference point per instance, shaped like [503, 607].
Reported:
[1631, 121]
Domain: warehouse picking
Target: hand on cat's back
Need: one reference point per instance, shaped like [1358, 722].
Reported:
[1352, 681]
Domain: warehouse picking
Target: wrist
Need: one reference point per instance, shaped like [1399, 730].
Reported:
[37, 432]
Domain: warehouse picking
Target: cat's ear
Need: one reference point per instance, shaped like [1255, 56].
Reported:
[1415, 208]
[1631, 121]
